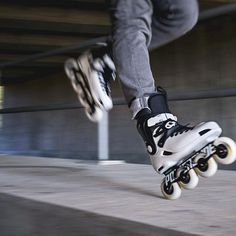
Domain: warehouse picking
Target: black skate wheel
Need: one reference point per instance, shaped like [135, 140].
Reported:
[225, 150]
[95, 115]
[69, 67]
[171, 191]
[185, 178]
[221, 151]
[202, 165]
[206, 168]
[168, 188]
[188, 180]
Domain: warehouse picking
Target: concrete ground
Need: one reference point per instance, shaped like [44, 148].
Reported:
[42, 196]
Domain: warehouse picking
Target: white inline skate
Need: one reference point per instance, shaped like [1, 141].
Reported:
[90, 76]
[181, 153]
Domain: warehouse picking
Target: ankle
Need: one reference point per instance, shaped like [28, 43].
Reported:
[152, 104]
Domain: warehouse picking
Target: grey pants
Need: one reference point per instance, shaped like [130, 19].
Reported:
[139, 26]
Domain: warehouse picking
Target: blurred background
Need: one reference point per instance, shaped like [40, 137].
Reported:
[203, 60]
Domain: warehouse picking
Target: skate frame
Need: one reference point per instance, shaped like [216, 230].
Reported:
[188, 163]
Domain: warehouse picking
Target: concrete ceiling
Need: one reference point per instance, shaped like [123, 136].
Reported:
[29, 27]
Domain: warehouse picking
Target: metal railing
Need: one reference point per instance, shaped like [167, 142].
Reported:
[174, 96]
[77, 47]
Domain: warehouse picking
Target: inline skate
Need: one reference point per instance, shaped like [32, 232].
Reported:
[182, 153]
[90, 76]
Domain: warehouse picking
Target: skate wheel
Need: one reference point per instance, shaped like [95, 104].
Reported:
[188, 180]
[206, 168]
[172, 191]
[94, 116]
[225, 150]
[82, 100]
[107, 104]
[69, 65]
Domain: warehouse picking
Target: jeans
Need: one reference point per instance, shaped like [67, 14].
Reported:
[142, 25]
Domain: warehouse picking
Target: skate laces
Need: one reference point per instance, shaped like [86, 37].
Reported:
[169, 128]
[181, 129]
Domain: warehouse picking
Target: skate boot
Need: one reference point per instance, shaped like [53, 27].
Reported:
[90, 76]
[181, 153]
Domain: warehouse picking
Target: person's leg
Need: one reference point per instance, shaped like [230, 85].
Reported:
[136, 27]
[172, 19]
[131, 31]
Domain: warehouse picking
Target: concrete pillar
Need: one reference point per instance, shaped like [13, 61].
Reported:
[103, 138]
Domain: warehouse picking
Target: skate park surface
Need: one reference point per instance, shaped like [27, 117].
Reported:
[47, 196]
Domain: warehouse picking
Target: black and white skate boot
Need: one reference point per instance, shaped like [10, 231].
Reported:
[179, 152]
[90, 76]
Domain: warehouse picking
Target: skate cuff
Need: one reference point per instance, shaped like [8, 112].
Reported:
[137, 105]
[140, 103]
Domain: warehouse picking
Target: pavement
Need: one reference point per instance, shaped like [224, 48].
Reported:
[47, 196]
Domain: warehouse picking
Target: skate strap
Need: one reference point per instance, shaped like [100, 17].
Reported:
[160, 118]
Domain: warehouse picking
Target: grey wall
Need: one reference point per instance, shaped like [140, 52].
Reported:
[57, 133]
[203, 59]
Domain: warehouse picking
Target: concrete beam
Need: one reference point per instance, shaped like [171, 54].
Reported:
[46, 14]
[217, 11]
[218, 1]
[39, 39]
